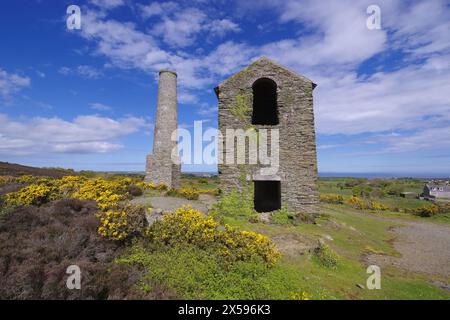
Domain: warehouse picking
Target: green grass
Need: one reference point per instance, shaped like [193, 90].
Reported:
[353, 237]
[330, 273]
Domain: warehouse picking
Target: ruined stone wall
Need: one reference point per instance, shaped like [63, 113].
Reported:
[159, 166]
[298, 163]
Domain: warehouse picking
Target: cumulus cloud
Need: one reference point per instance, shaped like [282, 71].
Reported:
[180, 27]
[84, 134]
[384, 101]
[339, 35]
[411, 97]
[11, 83]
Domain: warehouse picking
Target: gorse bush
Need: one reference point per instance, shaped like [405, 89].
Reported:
[362, 204]
[32, 195]
[426, 211]
[331, 198]
[357, 202]
[187, 225]
[378, 206]
[326, 256]
[187, 192]
[121, 223]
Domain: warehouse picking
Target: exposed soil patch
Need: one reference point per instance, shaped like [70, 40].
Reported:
[293, 244]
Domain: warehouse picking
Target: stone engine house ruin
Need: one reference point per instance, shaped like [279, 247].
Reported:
[266, 95]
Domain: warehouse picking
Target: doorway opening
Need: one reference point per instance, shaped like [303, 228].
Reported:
[267, 196]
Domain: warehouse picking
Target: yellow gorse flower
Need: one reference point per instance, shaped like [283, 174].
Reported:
[188, 225]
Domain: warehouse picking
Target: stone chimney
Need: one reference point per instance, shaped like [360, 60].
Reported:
[160, 167]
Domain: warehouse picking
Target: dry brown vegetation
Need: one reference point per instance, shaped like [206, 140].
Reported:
[37, 244]
[12, 169]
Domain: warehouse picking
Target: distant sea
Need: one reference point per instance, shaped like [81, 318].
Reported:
[383, 175]
[369, 175]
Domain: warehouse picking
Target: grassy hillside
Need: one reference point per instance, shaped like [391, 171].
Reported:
[230, 253]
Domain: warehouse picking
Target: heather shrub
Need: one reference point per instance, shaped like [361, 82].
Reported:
[134, 190]
[37, 244]
[4, 180]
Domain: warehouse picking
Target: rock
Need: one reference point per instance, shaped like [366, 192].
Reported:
[328, 237]
[153, 215]
[265, 217]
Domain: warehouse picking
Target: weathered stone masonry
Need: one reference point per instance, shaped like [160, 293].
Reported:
[297, 174]
[159, 166]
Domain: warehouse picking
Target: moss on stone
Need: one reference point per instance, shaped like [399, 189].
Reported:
[241, 109]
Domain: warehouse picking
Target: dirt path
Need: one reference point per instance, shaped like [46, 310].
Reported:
[171, 204]
[424, 246]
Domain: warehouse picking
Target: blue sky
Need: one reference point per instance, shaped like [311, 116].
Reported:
[86, 99]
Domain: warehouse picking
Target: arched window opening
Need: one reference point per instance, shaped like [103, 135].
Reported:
[265, 110]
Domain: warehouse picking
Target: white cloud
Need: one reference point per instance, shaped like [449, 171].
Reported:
[206, 110]
[431, 138]
[128, 47]
[85, 71]
[403, 99]
[157, 9]
[84, 134]
[338, 34]
[107, 4]
[181, 29]
[100, 106]
[221, 27]
[186, 97]
[330, 50]
[11, 83]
